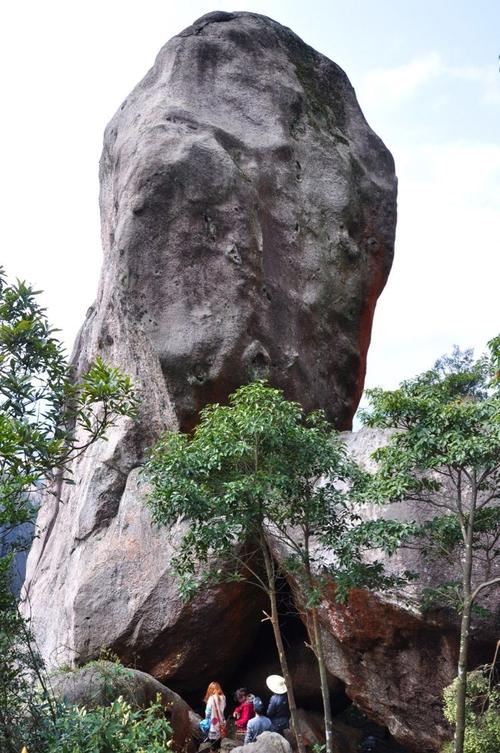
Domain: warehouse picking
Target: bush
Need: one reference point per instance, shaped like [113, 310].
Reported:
[111, 729]
[482, 721]
[47, 420]
[26, 708]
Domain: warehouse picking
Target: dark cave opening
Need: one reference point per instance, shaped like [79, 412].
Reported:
[352, 725]
[261, 660]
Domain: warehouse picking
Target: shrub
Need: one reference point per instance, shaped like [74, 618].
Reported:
[111, 729]
[482, 713]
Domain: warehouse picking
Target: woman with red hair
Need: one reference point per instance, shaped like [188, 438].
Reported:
[214, 723]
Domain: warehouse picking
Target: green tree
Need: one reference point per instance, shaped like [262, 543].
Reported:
[447, 458]
[42, 408]
[259, 471]
[482, 709]
[47, 419]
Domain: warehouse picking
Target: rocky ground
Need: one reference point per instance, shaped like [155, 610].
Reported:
[353, 732]
[100, 682]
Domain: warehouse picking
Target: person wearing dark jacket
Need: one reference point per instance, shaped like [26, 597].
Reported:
[278, 709]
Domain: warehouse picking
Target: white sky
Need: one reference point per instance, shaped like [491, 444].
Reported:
[426, 75]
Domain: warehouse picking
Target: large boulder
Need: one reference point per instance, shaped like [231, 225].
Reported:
[248, 217]
[394, 666]
[108, 583]
[102, 682]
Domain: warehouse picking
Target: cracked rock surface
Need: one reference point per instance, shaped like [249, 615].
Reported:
[248, 219]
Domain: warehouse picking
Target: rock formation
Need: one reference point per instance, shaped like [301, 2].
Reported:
[267, 742]
[100, 683]
[248, 217]
[395, 660]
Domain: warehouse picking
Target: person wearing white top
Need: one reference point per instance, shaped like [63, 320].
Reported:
[214, 723]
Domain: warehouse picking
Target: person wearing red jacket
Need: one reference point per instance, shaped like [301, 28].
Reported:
[244, 711]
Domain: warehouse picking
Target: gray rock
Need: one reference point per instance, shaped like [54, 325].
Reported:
[100, 683]
[394, 658]
[267, 742]
[109, 584]
[228, 744]
[248, 215]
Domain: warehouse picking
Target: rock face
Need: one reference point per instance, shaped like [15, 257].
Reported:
[248, 216]
[267, 742]
[248, 219]
[102, 579]
[393, 660]
[394, 666]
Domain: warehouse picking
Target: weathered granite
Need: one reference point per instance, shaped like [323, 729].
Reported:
[393, 656]
[267, 742]
[248, 216]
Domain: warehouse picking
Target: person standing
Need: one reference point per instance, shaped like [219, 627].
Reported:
[214, 723]
[258, 724]
[244, 711]
[278, 709]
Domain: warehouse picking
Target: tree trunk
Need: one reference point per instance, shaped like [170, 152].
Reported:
[458, 742]
[317, 642]
[458, 745]
[323, 677]
[280, 647]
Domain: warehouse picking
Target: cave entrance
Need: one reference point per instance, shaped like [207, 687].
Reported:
[262, 660]
[351, 726]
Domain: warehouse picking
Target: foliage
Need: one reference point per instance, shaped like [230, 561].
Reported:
[47, 419]
[110, 729]
[445, 457]
[494, 347]
[42, 408]
[259, 460]
[26, 710]
[482, 734]
[259, 473]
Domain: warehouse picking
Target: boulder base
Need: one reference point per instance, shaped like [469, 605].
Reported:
[267, 742]
[248, 217]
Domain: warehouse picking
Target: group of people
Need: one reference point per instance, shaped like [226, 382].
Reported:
[251, 717]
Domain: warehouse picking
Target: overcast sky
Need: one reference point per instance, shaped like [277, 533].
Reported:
[426, 75]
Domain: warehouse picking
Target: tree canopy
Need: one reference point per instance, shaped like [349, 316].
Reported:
[446, 457]
[261, 480]
[47, 419]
